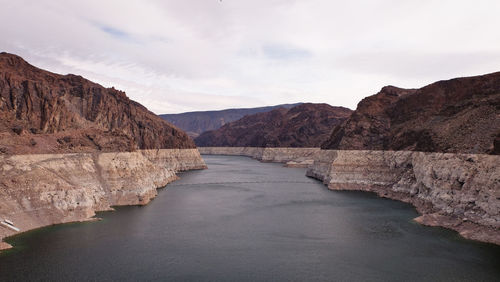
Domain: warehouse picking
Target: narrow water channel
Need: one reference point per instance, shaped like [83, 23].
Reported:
[242, 220]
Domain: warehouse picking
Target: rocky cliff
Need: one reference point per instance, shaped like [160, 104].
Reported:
[460, 115]
[94, 141]
[457, 191]
[44, 112]
[306, 125]
[292, 157]
[43, 189]
[195, 123]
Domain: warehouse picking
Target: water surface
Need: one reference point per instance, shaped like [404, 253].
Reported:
[242, 220]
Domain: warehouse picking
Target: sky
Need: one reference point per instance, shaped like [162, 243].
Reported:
[175, 56]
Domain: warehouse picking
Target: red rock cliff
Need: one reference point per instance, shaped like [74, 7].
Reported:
[460, 115]
[306, 125]
[42, 112]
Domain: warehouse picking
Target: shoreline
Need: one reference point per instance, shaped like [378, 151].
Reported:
[454, 191]
[49, 189]
[6, 246]
[424, 180]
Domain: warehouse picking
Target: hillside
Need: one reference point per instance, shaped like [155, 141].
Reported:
[195, 123]
[44, 112]
[305, 125]
[460, 115]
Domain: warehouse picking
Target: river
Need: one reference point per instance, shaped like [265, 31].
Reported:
[242, 220]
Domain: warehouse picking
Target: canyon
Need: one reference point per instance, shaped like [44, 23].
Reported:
[70, 148]
[45, 112]
[45, 189]
[460, 115]
[435, 147]
[195, 123]
[305, 125]
[292, 157]
[456, 191]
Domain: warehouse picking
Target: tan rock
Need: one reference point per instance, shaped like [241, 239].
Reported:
[46, 189]
[299, 156]
[457, 191]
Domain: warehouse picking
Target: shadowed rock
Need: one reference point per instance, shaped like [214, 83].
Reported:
[44, 112]
[306, 125]
[195, 123]
[460, 115]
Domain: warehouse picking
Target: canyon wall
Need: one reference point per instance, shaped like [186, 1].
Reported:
[460, 115]
[457, 191]
[303, 126]
[43, 189]
[46, 113]
[293, 157]
[195, 123]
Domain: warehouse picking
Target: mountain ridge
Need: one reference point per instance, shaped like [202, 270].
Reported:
[459, 115]
[46, 112]
[195, 123]
[305, 125]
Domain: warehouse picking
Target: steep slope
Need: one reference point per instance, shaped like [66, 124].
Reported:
[195, 123]
[460, 115]
[44, 112]
[306, 125]
[64, 148]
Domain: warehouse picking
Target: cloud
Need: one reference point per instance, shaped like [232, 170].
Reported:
[174, 55]
[280, 52]
[115, 32]
[421, 65]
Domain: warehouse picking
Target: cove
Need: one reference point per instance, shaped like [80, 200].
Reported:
[242, 220]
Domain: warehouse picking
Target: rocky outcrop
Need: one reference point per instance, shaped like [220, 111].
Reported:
[44, 112]
[306, 125]
[457, 191]
[94, 142]
[195, 123]
[292, 157]
[460, 115]
[45, 189]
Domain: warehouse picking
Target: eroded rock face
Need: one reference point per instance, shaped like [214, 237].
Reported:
[460, 115]
[44, 112]
[457, 191]
[195, 123]
[306, 125]
[46, 189]
[292, 157]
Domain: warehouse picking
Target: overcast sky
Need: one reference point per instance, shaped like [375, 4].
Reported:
[184, 55]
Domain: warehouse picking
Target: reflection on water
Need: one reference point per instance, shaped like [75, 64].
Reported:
[242, 220]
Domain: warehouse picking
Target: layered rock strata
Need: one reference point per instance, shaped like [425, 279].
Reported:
[43, 189]
[292, 157]
[457, 191]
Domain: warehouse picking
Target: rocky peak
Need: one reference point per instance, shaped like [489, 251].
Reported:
[456, 115]
[11, 59]
[305, 125]
[66, 113]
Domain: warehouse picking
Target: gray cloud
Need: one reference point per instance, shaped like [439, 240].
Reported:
[280, 52]
[175, 56]
[114, 32]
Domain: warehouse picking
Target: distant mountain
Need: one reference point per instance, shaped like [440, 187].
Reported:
[45, 112]
[460, 115]
[305, 125]
[195, 123]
